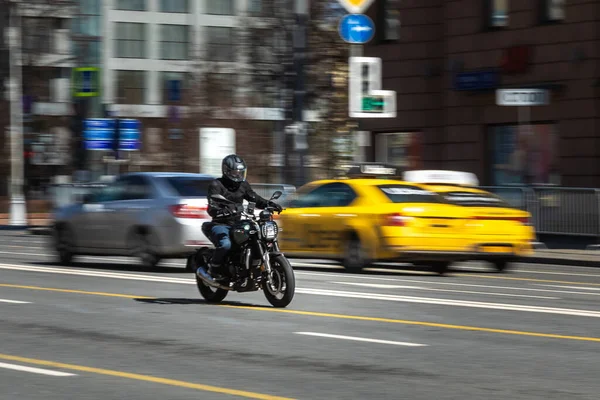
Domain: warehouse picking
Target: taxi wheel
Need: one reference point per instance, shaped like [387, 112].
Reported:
[501, 265]
[440, 267]
[355, 255]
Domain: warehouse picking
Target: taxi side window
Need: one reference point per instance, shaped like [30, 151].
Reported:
[329, 195]
[339, 195]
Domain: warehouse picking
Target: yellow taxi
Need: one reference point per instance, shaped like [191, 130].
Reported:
[499, 233]
[367, 217]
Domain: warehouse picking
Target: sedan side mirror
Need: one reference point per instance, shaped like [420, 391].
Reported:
[276, 195]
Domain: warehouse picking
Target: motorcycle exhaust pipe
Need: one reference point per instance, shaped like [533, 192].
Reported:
[215, 285]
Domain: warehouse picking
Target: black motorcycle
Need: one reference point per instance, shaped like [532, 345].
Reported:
[254, 262]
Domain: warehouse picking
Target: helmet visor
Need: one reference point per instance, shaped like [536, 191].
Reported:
[237, 175]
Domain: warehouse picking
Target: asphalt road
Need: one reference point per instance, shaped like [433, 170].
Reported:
[107, 329]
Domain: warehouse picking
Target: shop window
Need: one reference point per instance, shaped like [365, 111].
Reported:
[523, 154]
[401, 149]
[496, 12]
[553, 10]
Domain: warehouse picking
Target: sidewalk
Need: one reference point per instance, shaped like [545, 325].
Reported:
[578, 258]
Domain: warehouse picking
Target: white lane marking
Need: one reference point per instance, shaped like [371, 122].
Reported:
[383, 286]
[14, 301]
[571, 287]
[451, 302]
[451, 283]
[98, 274]
[359, 339]
[35, 370]
[321, 292]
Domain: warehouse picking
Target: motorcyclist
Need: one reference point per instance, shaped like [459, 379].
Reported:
[234, 187]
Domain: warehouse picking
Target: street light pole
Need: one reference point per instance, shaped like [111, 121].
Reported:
[18, 215]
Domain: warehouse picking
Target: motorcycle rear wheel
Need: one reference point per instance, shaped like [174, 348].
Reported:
[210, 294]
[280, 289]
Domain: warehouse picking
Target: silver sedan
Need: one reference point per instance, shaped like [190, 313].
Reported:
[146, 215]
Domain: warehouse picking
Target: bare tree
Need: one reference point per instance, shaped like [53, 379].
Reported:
[270, 76]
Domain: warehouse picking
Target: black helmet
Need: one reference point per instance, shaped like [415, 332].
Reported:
[234, 168]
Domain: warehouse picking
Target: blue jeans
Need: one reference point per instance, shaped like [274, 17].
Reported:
[220, 238]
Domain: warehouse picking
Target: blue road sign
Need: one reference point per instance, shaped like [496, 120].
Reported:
[356, 28]
[477, 80]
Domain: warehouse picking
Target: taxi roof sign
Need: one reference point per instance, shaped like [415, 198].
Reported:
[458, 178]
[372, 170]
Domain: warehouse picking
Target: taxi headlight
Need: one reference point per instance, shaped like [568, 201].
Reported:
[269, 230]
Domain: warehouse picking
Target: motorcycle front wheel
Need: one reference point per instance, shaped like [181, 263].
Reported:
[280, 288]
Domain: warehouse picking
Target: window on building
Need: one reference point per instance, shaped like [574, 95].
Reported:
[399, 148]
[130, 5]
[221, 7]
[169, 88]
[497, 13]
[388, 21]
[130, 40]
[37, 34]
[553, 10]
[221, 89]
[175, 6]
[261, 8]
[524, 155]
[174, 42]
[219, 43]
[131, 87]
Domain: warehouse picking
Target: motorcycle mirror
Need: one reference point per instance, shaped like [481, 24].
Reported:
[276, 195]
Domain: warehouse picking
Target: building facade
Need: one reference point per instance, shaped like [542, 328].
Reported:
[156, 57]
[446, 61]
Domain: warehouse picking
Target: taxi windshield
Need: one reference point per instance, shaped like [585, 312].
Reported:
[409, 194]
[470, 199]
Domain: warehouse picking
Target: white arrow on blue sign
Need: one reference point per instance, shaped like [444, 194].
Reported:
[356, 28]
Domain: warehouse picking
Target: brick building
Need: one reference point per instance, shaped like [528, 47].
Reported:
[445, 63]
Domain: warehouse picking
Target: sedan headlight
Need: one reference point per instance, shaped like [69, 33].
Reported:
[269, 230]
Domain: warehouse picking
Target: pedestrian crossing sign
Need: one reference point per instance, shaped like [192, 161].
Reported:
[85, 82]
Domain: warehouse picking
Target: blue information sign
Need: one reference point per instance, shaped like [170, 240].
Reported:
[129, 134]
[477, 80]
[356, 28]
[99, 134]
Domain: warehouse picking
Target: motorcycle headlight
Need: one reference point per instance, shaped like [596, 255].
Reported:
[269, 230]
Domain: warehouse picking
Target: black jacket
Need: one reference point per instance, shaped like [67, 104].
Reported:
[233, 192]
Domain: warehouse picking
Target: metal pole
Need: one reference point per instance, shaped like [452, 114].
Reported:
[18, 214]
[300, 43]
[356, 50]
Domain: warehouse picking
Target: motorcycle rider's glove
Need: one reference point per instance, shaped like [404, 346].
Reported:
[276, 206]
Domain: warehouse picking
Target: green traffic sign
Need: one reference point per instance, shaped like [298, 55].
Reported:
[373, 104]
